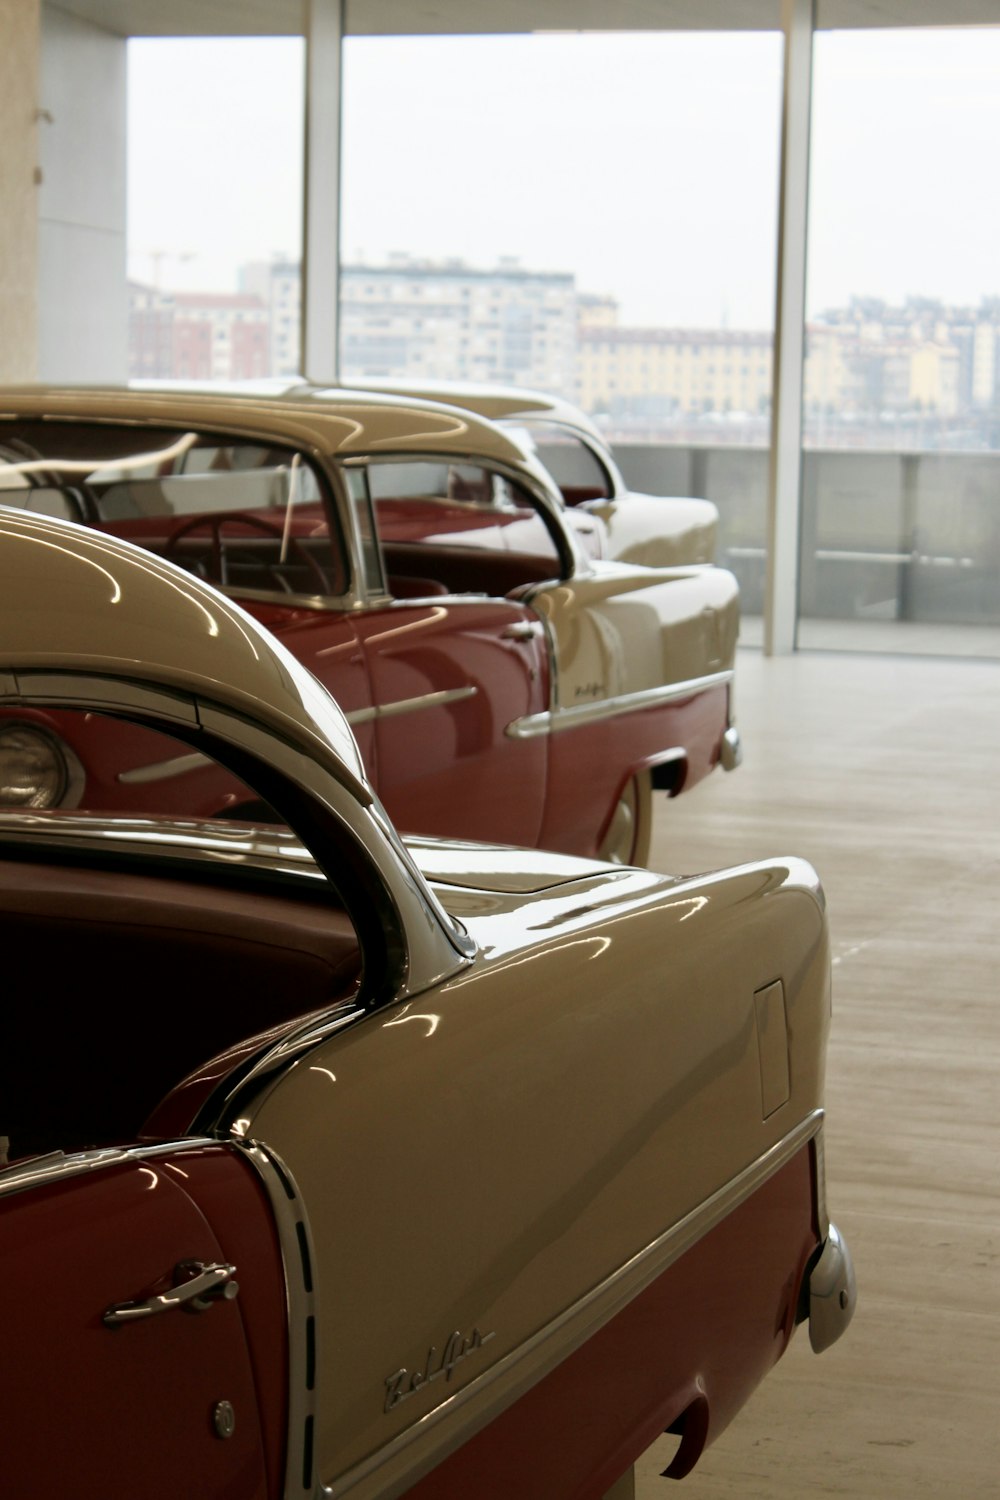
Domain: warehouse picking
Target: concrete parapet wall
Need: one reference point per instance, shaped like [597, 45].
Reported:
[885, 536]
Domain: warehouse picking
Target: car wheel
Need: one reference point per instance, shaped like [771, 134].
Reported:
[626, 841]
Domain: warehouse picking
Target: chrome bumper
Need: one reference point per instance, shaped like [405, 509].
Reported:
[731, 749]
[832, 1292]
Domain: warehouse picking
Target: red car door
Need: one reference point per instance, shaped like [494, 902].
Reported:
[456, 657]
[447, 677]
[98, 1401]
[326, 641]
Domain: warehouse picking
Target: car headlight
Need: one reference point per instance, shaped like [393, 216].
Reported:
[35, 767]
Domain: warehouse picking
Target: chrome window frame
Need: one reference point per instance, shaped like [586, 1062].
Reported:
[343, 535]
[601, 453]
[423, 944]
[540, 493]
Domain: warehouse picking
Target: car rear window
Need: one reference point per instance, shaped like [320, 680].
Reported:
[246, 516]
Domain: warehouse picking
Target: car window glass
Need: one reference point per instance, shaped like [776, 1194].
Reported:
[461, 527]
[243, 515]
[572, 463]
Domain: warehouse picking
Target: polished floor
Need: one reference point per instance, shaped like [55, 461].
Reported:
[885, 772]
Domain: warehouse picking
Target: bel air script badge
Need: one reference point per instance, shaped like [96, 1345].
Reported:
[406, 1383]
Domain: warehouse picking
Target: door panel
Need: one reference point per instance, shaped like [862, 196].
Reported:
[92, 1411]
[447, 678]
[325, 641]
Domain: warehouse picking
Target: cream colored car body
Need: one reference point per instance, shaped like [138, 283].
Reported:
[509, 1062]
[646, 1050]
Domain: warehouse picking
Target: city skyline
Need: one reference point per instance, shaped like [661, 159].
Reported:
[929, 369]
[887, 202]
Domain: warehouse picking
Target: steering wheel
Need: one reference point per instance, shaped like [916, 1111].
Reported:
[214, 524]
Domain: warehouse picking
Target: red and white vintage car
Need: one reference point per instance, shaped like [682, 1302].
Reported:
[659, 530]
[338, 1167]
[504, 680]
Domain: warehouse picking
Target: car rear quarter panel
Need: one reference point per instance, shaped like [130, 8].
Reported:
[659, 533]
[487, 1155]
[626, 630]
[590, 765]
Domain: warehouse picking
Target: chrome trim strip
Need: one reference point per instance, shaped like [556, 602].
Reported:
[221, 1110]
[409, 705]
[329, 603]
[219, 841]
[100, 693]
[163, 770]
[298, 1259]
[567, 1331]
[551, 721]
[57, 1166]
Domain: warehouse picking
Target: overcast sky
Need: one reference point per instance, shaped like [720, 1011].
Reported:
[647, 164]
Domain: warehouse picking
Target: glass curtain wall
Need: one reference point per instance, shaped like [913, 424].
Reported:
[901, 468]
[591, 215]
[594, 215]
[215, 172]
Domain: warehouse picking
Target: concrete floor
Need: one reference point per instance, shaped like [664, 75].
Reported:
[884, 772]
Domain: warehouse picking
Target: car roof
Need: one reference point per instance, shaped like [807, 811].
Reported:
[83, 602]
[496, 402]
[346, 423]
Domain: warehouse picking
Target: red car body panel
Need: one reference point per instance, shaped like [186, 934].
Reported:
[688, 1351]
[162, 1377]
[590, 762]
[454, 761]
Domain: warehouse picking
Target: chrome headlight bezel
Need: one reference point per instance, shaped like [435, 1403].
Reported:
[67, 774]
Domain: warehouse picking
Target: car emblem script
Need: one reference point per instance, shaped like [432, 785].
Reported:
[406, 1383]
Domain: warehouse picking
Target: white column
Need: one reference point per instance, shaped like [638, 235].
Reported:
[324, 27]
[82, 285]
[784, 498]
[20, 28]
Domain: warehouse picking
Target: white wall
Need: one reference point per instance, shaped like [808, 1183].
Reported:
[82, 293]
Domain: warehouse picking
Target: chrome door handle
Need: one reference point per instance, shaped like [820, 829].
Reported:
[194, 1294]
[521, 630]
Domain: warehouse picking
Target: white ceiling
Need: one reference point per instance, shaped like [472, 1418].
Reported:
[412, 17]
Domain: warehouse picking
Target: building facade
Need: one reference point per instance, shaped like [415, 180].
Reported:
[426, 320]
[925, 372]
[197, 335]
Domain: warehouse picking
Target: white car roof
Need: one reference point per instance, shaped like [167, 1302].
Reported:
[496, 402]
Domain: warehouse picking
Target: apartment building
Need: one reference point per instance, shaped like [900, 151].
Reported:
[445, 320]
[197, 335]
[425, 320]
[647, 374]
[278, 285]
